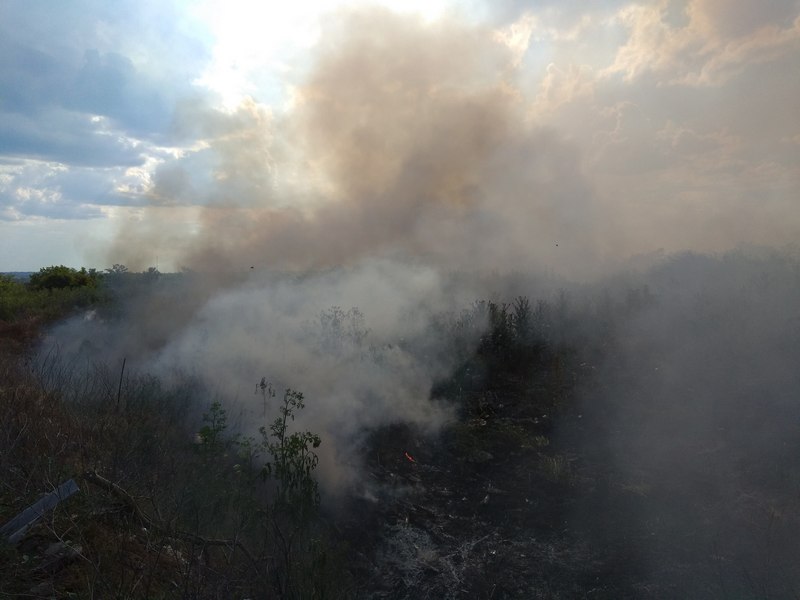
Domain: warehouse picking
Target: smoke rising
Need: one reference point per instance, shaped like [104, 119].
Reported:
[408, 151]
[357, 373]
[692, 415]
[406, 140]
[406, 154]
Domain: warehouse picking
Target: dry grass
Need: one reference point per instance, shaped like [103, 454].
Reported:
[58, 423]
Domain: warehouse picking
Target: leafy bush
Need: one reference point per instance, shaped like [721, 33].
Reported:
[59, 277]
[217, 516]
[46, 299]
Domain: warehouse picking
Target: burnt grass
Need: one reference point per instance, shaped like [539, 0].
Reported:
[567, 473]
[496, 506]
[538, 491]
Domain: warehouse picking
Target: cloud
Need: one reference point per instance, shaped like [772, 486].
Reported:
[110, 85]
[39, 202]
[30, 77]
[562, 87]
[726, 20]
[67, 138]
[102, 66]
[718, 41]
[560, 14]
[86, 89]
[33, 188]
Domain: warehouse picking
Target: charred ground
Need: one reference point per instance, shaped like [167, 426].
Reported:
[632, 440]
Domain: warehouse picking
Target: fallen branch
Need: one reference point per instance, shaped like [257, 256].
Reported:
[130, 503]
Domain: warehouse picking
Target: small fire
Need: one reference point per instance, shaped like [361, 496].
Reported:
[409, 457]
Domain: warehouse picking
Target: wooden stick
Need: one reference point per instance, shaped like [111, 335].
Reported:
[131, 504]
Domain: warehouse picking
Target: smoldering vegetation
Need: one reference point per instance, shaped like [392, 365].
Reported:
[631, 437]
[361, 342]
[689, 428]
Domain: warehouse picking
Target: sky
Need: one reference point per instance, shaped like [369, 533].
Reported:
[178, 133]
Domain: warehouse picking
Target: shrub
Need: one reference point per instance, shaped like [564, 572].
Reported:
[59, 277]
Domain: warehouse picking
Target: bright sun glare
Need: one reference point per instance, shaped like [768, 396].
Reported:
[255, 41]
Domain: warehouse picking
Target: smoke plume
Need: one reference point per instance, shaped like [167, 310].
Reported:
[406, 140]
[407, 153]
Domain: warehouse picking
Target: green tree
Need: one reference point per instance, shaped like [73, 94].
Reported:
[13, 297]
[293, 460]
[297, 567]
[60, 277]
[117, 269]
